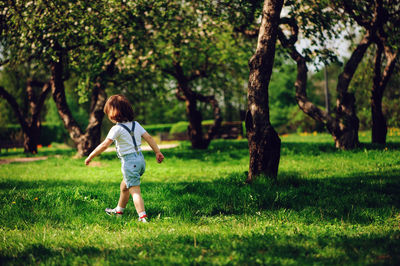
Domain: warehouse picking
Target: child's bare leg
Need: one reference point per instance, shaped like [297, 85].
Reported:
[124, 195]
[137, 198]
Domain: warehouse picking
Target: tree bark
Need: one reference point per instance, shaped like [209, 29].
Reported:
[344, 126]
[380, 80]
[58, 91]
[86, 141]
[92, 136]
[195, 129]
[346, 132]
[264, 142]
[30, 125]
[190, 97]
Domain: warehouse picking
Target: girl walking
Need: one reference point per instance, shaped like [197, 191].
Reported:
[127, 135]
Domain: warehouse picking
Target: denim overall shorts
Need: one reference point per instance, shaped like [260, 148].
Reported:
[132, 164]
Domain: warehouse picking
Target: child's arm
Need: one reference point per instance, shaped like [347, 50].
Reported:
[99, 149]
[154, 146]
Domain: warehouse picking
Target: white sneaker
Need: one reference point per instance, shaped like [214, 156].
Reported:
[110, 211]
[143, 219]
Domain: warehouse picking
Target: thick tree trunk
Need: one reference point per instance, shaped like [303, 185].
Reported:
[264, 143]
[91, 139]
[58, 91]
[86, 141]
[346, 135]
[344, 126]
[30, 125]
[379, 125]
[31, 139]
[380, 80]
[195, 129]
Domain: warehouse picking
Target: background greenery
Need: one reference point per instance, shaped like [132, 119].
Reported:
[326, 207]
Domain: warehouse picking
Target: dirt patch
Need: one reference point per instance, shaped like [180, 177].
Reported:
[23, 160]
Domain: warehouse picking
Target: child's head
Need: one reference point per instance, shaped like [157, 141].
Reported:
[118, 109]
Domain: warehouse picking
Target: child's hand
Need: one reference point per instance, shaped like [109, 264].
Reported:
[159, 157]
[87, 161]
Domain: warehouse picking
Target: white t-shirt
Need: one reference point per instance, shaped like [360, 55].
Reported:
[123, 140]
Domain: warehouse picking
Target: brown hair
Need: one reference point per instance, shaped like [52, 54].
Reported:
[118, 109]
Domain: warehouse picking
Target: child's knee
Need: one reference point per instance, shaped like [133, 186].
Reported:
[123, 186]
[134, 190]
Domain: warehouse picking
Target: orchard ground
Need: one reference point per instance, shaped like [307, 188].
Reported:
[326, 207]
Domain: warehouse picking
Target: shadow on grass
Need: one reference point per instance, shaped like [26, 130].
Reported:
[363, 199]
[270, 246]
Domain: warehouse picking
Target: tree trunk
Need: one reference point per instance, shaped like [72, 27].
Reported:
[31, 139]
[86, 141]
[264, 143]
[380, 80]
[346, 135]
[344, 126]
[195, 128]
[30, 125]
[92, 136]
[379, 125]
[190, 97]
[58, 91]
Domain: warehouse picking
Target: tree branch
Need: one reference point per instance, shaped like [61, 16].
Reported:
[387, 72]
[2, 63]
[294, 29]
[301, 81]
[216, 111]
[14, 105]
[248, 27]
[42, 97]
[351, 65]
[349, 8]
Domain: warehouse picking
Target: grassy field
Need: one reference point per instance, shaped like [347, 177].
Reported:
[326, 207]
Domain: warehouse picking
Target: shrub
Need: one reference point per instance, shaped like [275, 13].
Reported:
[53, 133]
[158, 128]
[10, 132]
[49, 133]
[179, 127]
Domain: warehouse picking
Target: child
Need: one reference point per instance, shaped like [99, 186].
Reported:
[127, 135]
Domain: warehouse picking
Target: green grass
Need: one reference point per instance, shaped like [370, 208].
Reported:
[327, 207]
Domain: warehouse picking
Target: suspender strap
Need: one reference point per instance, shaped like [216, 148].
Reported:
[132, 133]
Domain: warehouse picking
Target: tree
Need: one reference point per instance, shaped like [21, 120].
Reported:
[343, 124]
[71, 39]
[30, 121]
[36, 90]
[387, 42]
[184, 46]
[194, 52]
[264, 143]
